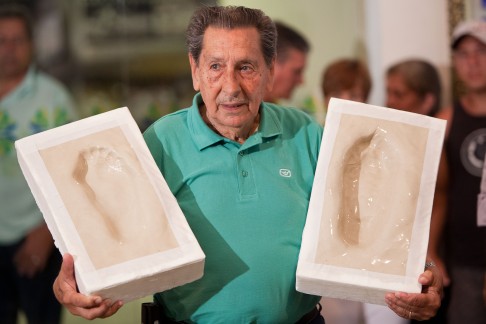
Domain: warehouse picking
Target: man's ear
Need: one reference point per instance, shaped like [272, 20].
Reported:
[269, 86]
[195, 77]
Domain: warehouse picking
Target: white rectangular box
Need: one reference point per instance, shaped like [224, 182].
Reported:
[106, 203]
[368, 221]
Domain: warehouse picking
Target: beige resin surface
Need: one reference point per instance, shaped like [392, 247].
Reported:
[371, 194]
[109, 197]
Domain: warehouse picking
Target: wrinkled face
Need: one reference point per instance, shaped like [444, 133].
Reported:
[400, 96]
[232, 76]
[469, 60]
[289, 74]
[15, 48]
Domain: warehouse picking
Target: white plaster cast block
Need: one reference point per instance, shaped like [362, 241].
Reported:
[368, 221]
[106, 203]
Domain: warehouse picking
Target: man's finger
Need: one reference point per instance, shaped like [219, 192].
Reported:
[105, 309]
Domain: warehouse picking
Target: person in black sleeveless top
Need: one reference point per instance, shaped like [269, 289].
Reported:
[454, 217]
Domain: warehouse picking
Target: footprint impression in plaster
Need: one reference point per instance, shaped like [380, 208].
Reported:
[368, 177]
[112, 187]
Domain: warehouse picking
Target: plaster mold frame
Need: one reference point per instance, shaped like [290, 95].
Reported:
[329, 263]
[138, 262]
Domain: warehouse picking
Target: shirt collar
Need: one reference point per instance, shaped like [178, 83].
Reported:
[270, 126]
[25, 87]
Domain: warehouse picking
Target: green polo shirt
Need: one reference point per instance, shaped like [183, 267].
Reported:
[246, 204]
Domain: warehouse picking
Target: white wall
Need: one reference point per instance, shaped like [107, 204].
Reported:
[402, 29]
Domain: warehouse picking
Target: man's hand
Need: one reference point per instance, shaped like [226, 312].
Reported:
[88, 307]
[419, 306]
[446, 281]
[33, 254]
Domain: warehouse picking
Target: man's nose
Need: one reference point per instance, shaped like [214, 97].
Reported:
[231, 83]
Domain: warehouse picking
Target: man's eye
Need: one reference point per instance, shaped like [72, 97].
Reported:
[246, 68]
[214, 66]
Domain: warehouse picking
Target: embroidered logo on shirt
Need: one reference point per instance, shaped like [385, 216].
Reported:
[285, 173]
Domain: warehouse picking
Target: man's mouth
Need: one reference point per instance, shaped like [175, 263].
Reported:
[232, 105]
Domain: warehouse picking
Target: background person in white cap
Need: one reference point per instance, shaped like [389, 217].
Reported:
[454, 218]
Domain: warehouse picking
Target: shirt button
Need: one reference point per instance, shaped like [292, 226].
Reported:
[244, 173]
[241, 153]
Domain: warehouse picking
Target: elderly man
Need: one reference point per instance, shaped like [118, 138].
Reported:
[242, 172]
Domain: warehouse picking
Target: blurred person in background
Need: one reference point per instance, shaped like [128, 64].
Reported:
[455, 217]
[30, 102]
[292, 50]
[346, 79]
[414, 85]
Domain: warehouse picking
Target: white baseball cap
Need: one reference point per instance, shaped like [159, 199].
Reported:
[474, 28]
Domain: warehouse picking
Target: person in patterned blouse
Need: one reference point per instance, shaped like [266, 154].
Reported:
[30, 102]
